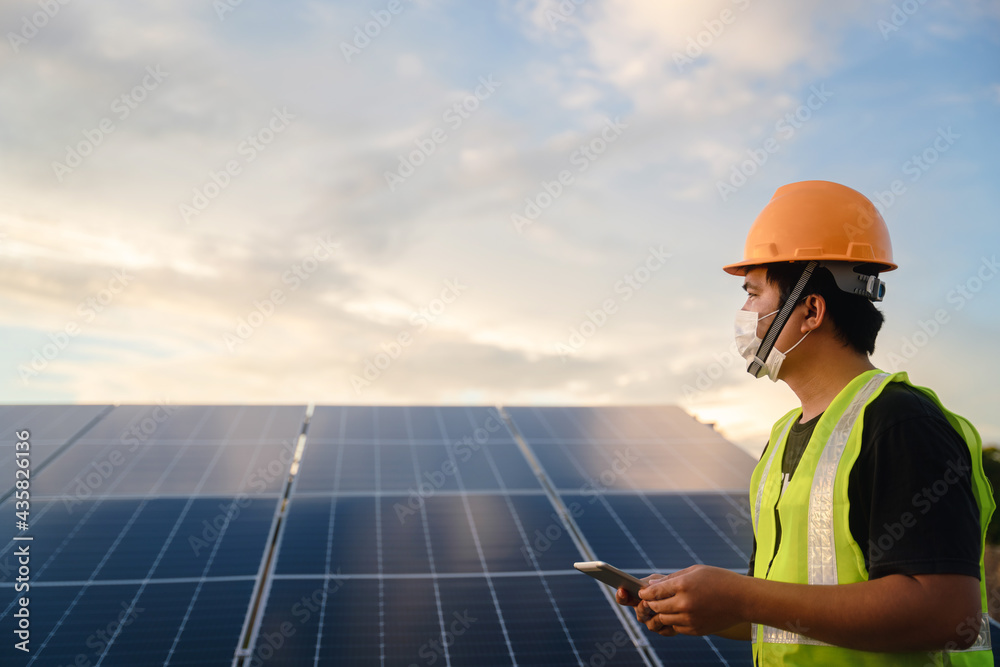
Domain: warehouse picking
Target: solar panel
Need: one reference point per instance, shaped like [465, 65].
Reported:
[441, 503]
[405, 535]
[149, 530]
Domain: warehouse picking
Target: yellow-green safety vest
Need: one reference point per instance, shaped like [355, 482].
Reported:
[816, 544]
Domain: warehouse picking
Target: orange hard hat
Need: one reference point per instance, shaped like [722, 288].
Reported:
[818, 220]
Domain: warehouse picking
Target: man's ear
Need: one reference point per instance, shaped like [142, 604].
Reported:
[815, 312]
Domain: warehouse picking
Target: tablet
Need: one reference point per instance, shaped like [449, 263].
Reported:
[610, 575]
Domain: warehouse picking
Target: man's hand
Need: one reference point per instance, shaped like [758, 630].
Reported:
[698, 600]
[642, 611]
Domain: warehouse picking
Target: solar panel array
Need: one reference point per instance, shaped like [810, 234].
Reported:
[361, 535]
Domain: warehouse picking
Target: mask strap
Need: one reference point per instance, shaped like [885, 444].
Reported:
[779, 322]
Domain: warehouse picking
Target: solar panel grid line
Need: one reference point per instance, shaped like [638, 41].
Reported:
[269, 558]
[635, 635]
[718, 531]
[163, 475]
[442, 493]
[218, 542]
[41, 514]
[86, 586]
[328, 560]
[617, 519]
[15, 420]
[146, 496]
[527, 543]
[677, 453]
[37, 469]
[91, 511]
[378, 539]
[659, 516]
[427, 542]
[670, 529]
[177, 524]
[743, 512]
[329, 545]
[628, 533]
[475, 536]
[133, 582]
[740, 509]
[611, 512]
[389, 576]
[573, 415]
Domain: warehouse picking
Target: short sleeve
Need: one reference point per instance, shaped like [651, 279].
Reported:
[913, 509]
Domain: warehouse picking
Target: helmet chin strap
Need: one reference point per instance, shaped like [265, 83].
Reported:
[778, 323]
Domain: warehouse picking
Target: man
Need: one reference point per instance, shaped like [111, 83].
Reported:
[869, 503]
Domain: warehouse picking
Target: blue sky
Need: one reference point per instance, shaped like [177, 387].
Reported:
[227, 232]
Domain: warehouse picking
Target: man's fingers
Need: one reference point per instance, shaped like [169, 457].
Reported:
[658, 590]
[664, 606]
[656, 625]
[623, 597]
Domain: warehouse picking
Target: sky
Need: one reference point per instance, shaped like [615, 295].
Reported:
[519, 202]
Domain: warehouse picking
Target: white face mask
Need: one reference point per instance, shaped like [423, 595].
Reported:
[748, 343]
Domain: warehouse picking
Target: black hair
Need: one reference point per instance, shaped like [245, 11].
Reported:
[856, 320]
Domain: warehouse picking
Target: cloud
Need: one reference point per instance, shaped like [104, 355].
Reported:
[324, 176]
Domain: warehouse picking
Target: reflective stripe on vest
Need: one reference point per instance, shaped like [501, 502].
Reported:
[822, 551]
[776, 636]
[821, 547]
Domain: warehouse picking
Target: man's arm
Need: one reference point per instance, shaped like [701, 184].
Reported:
[892, 613]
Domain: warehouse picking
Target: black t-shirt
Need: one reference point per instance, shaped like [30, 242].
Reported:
[912, 508]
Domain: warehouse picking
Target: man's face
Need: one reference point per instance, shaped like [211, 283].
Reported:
[764, 298]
